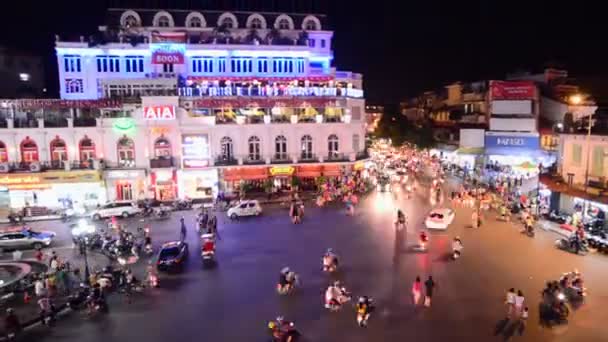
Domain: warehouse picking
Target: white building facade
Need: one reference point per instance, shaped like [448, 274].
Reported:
[184, 104]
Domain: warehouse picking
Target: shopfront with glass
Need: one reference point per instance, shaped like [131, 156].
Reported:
[126, 185]
[198, 184]
[52, 190]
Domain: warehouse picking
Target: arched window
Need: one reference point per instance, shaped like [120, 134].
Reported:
[310, 25]
[306, 148]
[254, 148]
[227, 149]
[280, 148]
[356, 143]
[131, 21]
[164, 21]
[256, 23]
[162, 148]
[3, 152]
[284, 24]
[228, 22]
[86, 150]
[59, 152]
[125, 149]
[29, 150]
[333, 146]
[195, 22]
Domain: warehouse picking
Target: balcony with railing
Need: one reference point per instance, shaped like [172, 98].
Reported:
[336, 157]
[121, 164]
[56, 118]
[254, 159]
[162, 162]
[308, 158]
[281, 158]
[225, 160]
[362, 155]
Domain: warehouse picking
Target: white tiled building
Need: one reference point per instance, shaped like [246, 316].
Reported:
[180, 104]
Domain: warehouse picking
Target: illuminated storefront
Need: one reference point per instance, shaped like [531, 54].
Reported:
[198, 184]
[126, 185]
[58, 189]
[164, 184]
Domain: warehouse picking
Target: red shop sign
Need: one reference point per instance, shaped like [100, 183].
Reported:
[512, 90]
[167, 57]
[159, 112]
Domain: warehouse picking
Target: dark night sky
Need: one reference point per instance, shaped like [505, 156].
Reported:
[400, 49]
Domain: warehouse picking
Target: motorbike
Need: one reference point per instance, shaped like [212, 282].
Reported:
[162, 214]
[528, 230]
[568, 244]
[147, 212]
[363, 314]
[330, 263]
[456, 251]
[289, 288]
[179, 205]
[283, 331]
[153, 280]
[335, 303]
[557, 217]
[208, 249]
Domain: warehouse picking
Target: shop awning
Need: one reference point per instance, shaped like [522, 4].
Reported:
[309, 171]
[470, 150]
[245, 173]
[332, 170]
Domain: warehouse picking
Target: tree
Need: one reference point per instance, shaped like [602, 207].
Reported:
[400, 130]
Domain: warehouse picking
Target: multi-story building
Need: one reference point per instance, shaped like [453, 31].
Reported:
[183, 103]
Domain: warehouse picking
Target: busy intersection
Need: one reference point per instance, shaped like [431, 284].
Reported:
[235, 300]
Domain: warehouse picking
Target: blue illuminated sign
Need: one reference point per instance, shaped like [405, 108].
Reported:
[514, 142]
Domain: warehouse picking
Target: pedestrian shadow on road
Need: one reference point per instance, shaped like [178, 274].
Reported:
[507, 329]
[399, 245]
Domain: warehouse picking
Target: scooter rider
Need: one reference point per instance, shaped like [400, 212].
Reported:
[333, 295]
[364, 308]
[457, 246]
[401, 220]
[330, 261]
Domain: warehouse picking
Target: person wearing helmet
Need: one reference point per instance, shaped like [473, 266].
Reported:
[330, 261]
[364, 308]
[283, 278]
[457, 245]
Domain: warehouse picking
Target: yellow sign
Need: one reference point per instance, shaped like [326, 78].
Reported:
[282, 170]
[359, 166]
[27, 180]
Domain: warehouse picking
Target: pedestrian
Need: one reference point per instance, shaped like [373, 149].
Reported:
[183, 230]
[429, 285]
[522, 321]
[416, 290]
[11, 323]
[60, 279]
[519, 303]
[54, 264]
[39, 289]
[510, 302]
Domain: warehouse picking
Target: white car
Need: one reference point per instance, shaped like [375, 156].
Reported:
[245, 208]
[122, 209]
[439, 218]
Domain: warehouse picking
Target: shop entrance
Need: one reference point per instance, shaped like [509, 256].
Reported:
[124, 191]
[165, 191]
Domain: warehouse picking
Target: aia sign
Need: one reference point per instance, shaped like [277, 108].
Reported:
[159, 112]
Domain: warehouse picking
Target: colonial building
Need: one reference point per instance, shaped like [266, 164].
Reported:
[184, 103]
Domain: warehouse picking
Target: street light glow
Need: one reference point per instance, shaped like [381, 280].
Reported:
[576, 99]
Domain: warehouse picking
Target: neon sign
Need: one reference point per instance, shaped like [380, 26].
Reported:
[159, 112]
[168, 53]
[282, 170]
[124, 124]
[269, 91]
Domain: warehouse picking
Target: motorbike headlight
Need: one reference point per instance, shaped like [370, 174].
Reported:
[561, 296]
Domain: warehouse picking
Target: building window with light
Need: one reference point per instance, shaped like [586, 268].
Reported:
[300, 62]
[263, 65]
[202, 65]
[333, 146]
[254, 149]
[227, 149]
[221, 64]
[126, 152]
[241, 65]
[71, 63]
[306, 147]
[280, 148]
[134, 64]
[108, 64]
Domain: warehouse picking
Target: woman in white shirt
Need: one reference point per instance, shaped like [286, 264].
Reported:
[510, 301]
[519, 302]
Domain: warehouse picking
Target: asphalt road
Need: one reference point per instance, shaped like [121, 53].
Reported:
[234, 301]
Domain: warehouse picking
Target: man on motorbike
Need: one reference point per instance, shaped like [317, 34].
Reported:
[364, 308]
[335, 295]
[330, 261]
[287, 280]
[401, 219]
[457, 246]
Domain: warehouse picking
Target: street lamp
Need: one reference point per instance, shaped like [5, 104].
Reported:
[575, 99]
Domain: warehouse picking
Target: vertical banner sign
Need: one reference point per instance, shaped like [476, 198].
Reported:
[168, 47]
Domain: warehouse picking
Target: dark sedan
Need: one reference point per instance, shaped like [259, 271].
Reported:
[172, 256]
